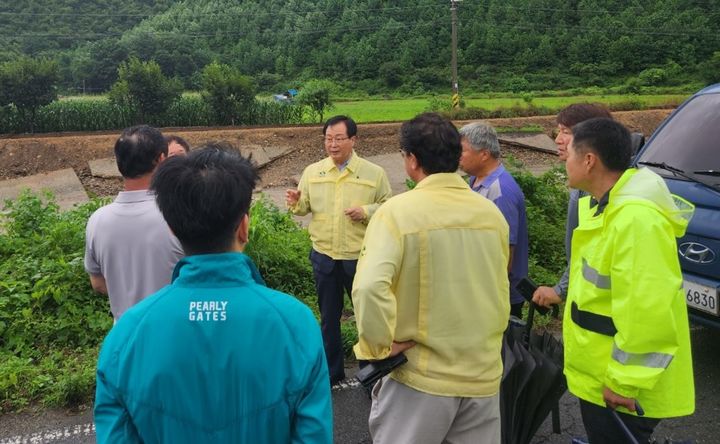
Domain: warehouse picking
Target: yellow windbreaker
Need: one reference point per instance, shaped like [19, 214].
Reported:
[433, 269]
[326, 192]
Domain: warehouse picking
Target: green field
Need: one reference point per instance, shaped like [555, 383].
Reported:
[404, 109]
[381, 110]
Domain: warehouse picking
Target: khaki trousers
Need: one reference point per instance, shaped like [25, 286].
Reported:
[400, 414]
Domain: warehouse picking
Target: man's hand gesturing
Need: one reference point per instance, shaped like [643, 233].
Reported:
[292, 197]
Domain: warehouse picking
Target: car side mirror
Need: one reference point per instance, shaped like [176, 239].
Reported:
[637, 140]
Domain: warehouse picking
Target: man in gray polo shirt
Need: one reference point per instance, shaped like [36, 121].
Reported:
[130, 252]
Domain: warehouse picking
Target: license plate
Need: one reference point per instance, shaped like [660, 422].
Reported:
[701, 297]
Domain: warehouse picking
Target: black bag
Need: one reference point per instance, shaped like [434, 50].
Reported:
[375, 370]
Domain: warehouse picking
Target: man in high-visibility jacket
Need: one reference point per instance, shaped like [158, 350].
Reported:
[627, 341]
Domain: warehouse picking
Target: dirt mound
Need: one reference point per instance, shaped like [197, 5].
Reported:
[27, 155]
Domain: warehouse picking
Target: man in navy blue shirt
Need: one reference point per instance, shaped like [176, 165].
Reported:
[481, 159]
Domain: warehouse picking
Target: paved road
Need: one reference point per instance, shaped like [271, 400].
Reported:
[351, 407]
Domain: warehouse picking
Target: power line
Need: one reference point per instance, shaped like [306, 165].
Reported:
[333, 11]
[384, 26]
[203, 34]
[223, 12]
[705, 8]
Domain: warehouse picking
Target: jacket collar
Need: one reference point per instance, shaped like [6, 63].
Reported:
[442, 180]
[489, 179]
[352, 164]
[216, 270]
[134, 196]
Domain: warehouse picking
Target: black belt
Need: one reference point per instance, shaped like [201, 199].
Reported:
[594, 322]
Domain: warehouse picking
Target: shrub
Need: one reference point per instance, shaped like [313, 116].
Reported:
[653, 77]
[229, 94]
[709, 70]
[315, 95]
[143, 87]
[631, 86]
[28, 84]
[281, 249]
[45, 296]
[390, 74]
[439, 104]
[546, 200]
[51, 322]
[9, 120]
[517, 84]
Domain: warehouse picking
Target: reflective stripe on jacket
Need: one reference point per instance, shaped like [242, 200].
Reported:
[626, 324]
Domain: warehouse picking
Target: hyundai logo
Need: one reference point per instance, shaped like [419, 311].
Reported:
[695, 252]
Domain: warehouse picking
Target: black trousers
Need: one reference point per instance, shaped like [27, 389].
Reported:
[602, 428]
[333, 278]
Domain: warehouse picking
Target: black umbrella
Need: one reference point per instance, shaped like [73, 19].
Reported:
[533, 380]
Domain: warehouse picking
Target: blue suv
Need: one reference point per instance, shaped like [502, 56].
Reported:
[685, 151]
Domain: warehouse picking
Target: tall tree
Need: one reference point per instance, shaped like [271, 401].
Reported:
[230, 94]
[143, 86]
[315, 95]
[28, 84]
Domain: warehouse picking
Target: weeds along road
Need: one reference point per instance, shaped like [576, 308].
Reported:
[351, 408]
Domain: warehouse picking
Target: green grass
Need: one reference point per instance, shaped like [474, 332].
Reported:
[404, 109]
[524, 129]
[389, 110]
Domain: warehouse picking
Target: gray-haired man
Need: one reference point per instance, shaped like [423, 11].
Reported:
[481, 159]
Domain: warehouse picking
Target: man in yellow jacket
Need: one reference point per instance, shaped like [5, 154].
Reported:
[432, 281]
[342, 192]
[627, 341]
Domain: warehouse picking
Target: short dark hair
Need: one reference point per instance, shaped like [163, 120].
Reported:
[138, 149]
[579, 112]
[434, 141]
[179, 140]
[349, 124]
[203, 196]
[607, 138]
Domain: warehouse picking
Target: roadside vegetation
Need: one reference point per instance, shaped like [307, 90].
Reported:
[142, 94]
[52, 323]
[222, 107]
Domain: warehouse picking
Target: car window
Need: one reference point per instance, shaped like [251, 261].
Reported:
[690, 140]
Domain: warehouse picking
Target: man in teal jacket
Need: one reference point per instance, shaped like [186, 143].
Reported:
[215, 356]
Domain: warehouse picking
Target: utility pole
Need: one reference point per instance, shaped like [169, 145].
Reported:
[455, 90]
